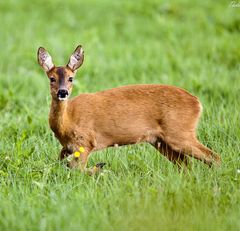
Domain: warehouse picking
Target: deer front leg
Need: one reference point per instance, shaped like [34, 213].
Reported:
[65, 152]
[79, 160]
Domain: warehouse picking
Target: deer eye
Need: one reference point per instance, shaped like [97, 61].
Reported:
[52, 80]
[70, 79]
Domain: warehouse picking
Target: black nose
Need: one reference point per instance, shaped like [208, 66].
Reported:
[62, 93]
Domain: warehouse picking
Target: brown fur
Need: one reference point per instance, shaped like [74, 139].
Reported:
[164, 116]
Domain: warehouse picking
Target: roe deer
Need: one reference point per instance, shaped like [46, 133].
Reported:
[164, 116]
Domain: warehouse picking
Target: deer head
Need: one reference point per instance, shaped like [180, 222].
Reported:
[61, 78]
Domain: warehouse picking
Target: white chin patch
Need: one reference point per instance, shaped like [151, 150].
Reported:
[62, 99]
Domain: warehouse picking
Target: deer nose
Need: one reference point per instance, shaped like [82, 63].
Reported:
[62, 93]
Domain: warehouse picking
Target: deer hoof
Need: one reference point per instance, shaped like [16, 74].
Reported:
[100, 165]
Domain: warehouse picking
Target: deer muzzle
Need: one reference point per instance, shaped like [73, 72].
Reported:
[62, 94]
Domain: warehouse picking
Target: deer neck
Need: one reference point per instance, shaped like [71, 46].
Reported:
[58, 117]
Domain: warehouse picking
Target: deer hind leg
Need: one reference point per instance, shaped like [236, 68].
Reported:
[192, 147]
[172, 155]
[210, 154]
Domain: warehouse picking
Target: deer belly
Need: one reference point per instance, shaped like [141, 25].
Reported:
[127, 135]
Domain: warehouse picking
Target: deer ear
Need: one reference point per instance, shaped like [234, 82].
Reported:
[76, 58]
[45, 59]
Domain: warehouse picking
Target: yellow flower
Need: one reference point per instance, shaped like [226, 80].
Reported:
[81, 149]
[77, 154]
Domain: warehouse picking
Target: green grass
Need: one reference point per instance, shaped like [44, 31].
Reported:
[183, 43]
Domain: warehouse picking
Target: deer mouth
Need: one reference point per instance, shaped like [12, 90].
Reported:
[63, 98]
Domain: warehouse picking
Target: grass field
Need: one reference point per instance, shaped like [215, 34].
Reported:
[193, 45]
